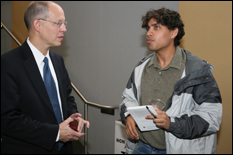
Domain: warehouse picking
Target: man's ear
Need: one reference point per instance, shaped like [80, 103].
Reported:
[36, 25]
[175, 32]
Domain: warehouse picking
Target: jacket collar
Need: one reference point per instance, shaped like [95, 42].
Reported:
[197, 71]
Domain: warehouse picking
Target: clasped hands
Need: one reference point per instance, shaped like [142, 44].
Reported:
[162, 120]
[68, 134]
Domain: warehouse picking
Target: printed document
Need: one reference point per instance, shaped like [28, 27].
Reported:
[139, 113]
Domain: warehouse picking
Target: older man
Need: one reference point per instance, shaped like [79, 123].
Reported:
[36, 106]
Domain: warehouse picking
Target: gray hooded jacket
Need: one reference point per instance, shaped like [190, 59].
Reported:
[195, 109]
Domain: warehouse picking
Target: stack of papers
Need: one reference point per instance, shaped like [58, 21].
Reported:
[139, 113]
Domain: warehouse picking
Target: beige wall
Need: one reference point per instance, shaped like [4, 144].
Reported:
[18, 27]
[208, 27]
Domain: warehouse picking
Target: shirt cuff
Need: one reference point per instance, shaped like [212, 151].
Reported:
[58, 135]
[126, 114]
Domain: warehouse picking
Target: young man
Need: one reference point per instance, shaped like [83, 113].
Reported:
[193, 111]
[36, 106]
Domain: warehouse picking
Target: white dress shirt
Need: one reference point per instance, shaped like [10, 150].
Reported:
[39, 57]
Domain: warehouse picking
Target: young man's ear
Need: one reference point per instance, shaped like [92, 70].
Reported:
[175, 32]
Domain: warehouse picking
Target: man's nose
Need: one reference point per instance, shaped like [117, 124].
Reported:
[63, 28]
[149, 32]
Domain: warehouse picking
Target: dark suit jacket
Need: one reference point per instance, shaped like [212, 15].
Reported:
[28, 123]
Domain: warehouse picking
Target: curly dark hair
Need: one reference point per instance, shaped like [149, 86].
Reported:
[168, 18]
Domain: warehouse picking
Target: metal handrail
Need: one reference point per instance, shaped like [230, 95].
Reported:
[92, 103]
[78, 92]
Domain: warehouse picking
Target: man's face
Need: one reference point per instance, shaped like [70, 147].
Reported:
[52, 34]
[158, 37]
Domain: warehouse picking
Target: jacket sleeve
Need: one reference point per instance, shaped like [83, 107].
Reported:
[200, 109]
[131, 93]
[129, 98]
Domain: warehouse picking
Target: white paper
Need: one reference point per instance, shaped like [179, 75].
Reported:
[139, 113]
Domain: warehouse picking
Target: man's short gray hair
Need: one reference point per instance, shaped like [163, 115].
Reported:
[35, 10]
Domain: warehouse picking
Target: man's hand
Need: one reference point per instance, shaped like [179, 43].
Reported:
[162, 119]
[80, 121]
[68, 134]
[131, 128]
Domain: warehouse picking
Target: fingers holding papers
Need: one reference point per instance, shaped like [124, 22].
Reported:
[162, 119]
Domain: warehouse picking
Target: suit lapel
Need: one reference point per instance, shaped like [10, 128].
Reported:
[35, 76]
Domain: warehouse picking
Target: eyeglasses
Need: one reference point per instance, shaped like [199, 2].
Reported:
[57, 23]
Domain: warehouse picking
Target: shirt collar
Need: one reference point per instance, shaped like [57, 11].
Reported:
[39, 57]
[175, 62]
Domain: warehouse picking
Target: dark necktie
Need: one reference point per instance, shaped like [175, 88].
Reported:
[52, 92]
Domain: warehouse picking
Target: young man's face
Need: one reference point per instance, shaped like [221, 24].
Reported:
[158, 37]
